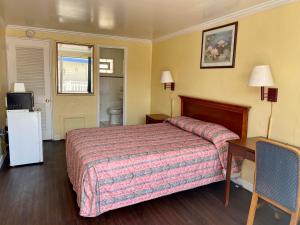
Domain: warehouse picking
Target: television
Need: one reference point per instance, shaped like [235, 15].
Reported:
[20, 100]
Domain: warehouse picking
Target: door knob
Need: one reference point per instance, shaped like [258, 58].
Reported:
[47, 100]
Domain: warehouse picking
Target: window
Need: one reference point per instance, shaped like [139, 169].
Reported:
[74, 69]
[106, 66]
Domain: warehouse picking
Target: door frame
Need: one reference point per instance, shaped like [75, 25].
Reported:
[11, 62]
[125, 67]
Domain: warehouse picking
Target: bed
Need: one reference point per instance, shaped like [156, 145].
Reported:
[148, 161]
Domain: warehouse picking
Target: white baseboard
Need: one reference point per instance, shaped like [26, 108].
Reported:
[243, 183]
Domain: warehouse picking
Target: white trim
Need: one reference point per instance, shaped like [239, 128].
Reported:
[97, 81]
[232, 16]
[77, 33]
[51, 86]
[124, 81]
[125, 88]
[245, 184]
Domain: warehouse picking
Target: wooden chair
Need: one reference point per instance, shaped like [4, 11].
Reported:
[277, 178]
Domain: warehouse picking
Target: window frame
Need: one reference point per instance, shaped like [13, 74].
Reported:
[92, 82]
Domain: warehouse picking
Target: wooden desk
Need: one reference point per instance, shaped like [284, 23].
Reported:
[245, 149]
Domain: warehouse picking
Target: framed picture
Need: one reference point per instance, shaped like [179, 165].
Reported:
[218, 46]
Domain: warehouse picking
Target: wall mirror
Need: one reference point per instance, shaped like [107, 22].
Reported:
[75, 68]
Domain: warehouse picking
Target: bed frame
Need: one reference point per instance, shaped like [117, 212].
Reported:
[234, 117]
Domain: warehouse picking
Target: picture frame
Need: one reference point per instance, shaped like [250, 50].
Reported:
[219, 46]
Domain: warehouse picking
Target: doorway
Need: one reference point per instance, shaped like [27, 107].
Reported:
[112, 88]
[28, 62]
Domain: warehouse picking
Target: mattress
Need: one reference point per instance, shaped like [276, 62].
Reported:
[115, 167]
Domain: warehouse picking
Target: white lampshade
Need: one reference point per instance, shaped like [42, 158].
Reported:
[261, 76]
[166, 77]
[18, 87]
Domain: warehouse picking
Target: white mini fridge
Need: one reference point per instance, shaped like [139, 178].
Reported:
[25, 137]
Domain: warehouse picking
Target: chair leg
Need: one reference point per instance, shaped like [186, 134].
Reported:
[294, 217]
[252, 209]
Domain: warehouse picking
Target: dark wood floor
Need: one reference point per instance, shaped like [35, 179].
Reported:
[42, 195]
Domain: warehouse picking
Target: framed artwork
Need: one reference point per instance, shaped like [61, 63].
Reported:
[218, 46]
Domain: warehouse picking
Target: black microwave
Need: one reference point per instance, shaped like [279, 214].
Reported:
[20, 100]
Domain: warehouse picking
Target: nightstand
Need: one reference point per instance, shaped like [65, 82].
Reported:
[156, 118]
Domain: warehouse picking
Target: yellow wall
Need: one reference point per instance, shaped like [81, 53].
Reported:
[269, 37]
[85, 107]
[3, 77]
[3, 81]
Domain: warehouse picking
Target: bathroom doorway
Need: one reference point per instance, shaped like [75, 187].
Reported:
[112, 78]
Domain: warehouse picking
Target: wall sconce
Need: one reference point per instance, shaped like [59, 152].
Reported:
[167, 80]
[261, 76]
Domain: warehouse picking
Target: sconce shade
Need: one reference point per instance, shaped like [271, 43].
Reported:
[166, 77]
[261, 76]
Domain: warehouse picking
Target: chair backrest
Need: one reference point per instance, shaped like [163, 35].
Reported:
[277, 174]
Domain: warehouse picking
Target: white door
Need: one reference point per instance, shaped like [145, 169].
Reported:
[28, 62]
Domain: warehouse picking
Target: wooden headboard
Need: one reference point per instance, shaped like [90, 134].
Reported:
[234, 117]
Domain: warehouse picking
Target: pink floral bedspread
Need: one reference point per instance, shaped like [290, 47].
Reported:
[120, 166]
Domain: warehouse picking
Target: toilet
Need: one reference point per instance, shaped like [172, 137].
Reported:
[115, 115]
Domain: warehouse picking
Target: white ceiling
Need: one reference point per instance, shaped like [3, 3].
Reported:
[148, 19]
